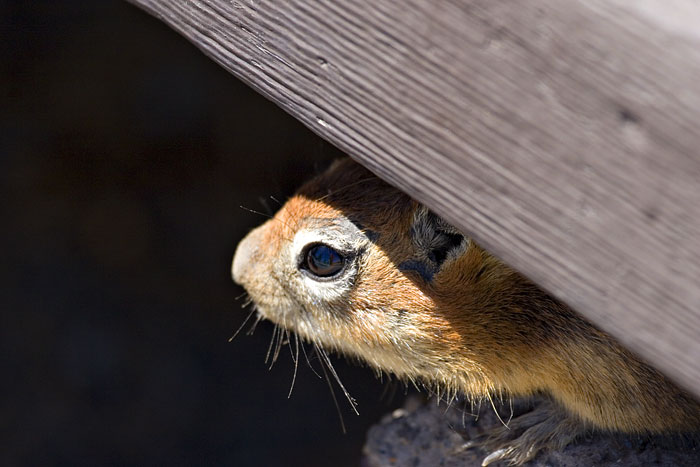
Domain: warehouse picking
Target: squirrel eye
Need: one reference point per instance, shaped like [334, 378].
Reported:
[323, 261]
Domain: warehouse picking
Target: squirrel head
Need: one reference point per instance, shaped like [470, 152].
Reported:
[357, 266]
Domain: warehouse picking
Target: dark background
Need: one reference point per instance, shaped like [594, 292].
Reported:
[125, 155]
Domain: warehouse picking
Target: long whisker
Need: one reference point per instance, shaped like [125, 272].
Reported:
[295, 359]
[335, 399]
[250, 331]
[353, 403]
[242, 324]
[269, 216]
[343, 188]
[308, 362]
[272, 341]
[278, 344]
[255, 212]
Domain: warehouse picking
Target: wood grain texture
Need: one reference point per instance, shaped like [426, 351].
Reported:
[562, 135]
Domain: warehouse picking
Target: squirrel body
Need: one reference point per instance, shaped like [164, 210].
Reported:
[357, 266]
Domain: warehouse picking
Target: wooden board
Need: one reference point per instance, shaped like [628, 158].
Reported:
[562, 135]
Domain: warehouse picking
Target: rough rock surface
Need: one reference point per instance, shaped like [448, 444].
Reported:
[429, 435]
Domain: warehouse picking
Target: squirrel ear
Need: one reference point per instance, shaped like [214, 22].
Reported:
[436, 240]
[441, 224]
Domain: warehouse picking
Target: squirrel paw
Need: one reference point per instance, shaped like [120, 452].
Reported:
[546, 427]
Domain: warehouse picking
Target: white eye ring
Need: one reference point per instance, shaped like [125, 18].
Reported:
[333, 287]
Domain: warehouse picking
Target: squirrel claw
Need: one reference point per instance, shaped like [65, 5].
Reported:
[494, 456]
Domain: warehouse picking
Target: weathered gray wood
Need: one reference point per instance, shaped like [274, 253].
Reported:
[563, 135]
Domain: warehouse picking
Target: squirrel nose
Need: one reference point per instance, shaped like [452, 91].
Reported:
[243, 259]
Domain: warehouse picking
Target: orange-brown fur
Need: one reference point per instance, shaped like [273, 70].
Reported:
[477, 327]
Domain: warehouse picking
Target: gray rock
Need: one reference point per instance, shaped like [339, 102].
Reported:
[431, 434]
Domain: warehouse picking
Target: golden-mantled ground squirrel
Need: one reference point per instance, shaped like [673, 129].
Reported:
[356, 266]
